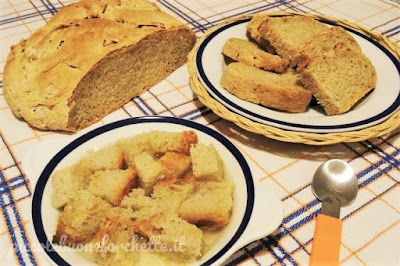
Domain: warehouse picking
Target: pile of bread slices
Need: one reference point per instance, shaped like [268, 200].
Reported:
[290, 59]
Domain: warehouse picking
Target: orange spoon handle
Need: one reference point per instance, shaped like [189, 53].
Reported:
[326, 243]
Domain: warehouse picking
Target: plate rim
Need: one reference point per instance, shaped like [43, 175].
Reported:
[42, 181]
[386, 126]
[343, 127]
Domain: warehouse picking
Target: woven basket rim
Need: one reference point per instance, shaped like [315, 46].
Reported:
[385, 127]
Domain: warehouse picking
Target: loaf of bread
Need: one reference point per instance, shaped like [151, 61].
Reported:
[323, 43]
[277, 91]
[249, 53]
[339, 79]
[92, 57]
[286, 34]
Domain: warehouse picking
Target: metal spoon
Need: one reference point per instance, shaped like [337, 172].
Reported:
[335, 184]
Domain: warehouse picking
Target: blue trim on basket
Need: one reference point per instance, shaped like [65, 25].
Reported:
[44, 178]
[199, 65]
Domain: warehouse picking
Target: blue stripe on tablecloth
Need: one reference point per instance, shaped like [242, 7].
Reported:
[143, 106]
[182, 15]
[49, 6]
[5, 191]
[25, 16]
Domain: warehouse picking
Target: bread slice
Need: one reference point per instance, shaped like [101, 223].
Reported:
[277, 91]
[249, 53]
[253, 29]
[112, 185]
[339, 79]
[210, 205]
[92, 57]
[288, 34]
[324, 43]
[206, 163]
[81, 219]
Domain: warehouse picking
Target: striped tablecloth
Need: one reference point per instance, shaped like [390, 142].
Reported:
[371, 225]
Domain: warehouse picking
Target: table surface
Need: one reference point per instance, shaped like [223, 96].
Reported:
[371, 225]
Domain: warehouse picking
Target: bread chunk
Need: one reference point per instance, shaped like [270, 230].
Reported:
[174, 165]
[116, 228]
[288, 34]
[323, 43]
[206, 163]
[157, 142]
[110, 157]
[81, 219]
[249, 53]
[67, 183]
[112, 185]
[171, 230]
[92, 57]
[149, 171]
[210, 205]
[277, 91]
[339, 79]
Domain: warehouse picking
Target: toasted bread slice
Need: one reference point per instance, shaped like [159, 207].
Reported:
[249, 53]
[324, 43]
[339, 79]
[278, 91]
[112, 185]
[288, 34]
[174, 165]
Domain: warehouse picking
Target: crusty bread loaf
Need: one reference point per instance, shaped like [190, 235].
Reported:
[339, 79]
[278, 91]
[288, 34]
[323, 43]
[249, 53]
[92, 57]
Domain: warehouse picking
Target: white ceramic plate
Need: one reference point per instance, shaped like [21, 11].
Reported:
[379, 105]
[257, 212]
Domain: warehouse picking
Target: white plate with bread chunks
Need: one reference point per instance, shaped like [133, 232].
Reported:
[269, 67]
[163, 191]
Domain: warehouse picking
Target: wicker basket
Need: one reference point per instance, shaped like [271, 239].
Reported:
[390, 124]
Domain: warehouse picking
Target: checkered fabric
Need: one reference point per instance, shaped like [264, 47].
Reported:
[371, 225]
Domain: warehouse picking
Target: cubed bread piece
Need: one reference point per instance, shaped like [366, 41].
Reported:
[110, 157]
[339, 79]
[182, 239]
[116, 229]
[81, 219]
[206, 163]
[172, 194]
[277, 91]
[249, 53]
[288, 34]
[112, 185]
[174, 164]
[210, 205]
[157, 142]
[149, 171]
[323, 43]
[66, 183]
